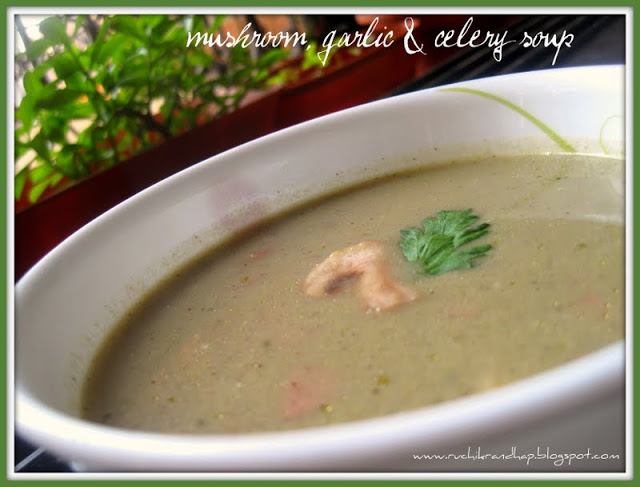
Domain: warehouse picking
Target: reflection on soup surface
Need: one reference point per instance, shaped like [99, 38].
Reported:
[233, 343]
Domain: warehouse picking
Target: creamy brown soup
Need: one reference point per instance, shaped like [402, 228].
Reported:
[232, 343]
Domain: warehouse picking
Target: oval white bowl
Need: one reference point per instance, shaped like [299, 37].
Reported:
[68, 302]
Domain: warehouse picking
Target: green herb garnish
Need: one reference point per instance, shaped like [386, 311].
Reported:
[437, 246]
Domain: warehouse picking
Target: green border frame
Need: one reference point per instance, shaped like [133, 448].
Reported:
[4, 229]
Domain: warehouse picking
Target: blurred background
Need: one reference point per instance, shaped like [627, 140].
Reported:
[106, 105]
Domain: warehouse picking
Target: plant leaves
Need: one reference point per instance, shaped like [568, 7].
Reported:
[65, 163]
[37, 48]
[134, 60]
[54, 30]
[53, 128]
[80, 19]
[58, 99]
[64, 65]
[36, 191]
[40, 173]
[19, 182]
[39, 144]
[134, 75]
[271, 57]
[116, 44]
[437, 246]
[98, 45]
[127, 24]
[26, 112]
[77, 110]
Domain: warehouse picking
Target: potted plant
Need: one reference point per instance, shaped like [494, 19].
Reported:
[101, 89]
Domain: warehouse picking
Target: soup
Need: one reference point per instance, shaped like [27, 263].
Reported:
[233, 343]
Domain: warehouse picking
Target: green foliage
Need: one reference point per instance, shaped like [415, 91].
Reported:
[313, 59]
[439, 246]
[108, 72]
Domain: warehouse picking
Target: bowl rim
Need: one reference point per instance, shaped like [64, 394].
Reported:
[549, 392]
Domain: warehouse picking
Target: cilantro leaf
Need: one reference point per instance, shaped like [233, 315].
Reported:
[437, 245]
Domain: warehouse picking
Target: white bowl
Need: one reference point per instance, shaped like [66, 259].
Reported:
[71, 299]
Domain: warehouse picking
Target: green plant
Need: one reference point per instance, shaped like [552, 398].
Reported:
[313, 59]
[311, 63]
[440, 245]
[99, 89]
